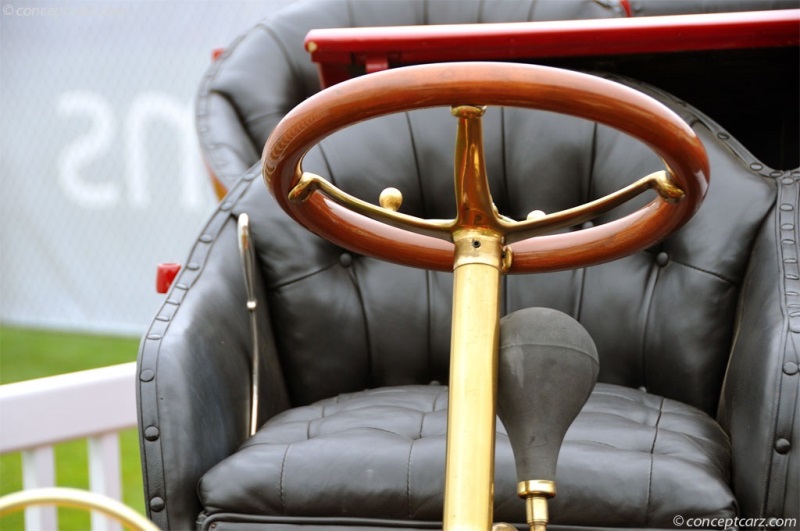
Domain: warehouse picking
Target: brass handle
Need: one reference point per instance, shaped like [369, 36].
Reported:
[76, 498]
[248, 260]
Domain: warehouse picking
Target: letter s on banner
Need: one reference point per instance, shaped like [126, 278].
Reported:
[84, 149]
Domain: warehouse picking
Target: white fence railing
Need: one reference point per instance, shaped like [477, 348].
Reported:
[94, 404]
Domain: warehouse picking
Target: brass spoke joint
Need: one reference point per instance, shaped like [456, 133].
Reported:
[307, 185]
[665, 186]
[478, 246]
[468, 111]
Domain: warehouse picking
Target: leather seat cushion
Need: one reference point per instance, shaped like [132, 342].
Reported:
[629, 459]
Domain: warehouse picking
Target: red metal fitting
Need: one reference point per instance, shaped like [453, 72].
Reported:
[165, 276]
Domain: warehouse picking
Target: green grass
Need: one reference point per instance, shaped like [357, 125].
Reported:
[27, 354]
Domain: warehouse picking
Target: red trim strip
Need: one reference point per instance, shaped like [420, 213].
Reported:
[335, 48]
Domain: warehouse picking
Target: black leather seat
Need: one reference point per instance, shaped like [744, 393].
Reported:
[698, 337]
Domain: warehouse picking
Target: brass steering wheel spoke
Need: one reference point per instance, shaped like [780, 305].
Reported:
[659, 181]
[310, 183]
[476, 210]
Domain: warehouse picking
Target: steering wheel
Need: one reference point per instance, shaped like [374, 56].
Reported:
[527, 246]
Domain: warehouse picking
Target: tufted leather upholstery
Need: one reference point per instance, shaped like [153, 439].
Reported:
[697, 412]
[386, 445]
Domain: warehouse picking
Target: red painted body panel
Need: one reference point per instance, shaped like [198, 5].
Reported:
[336, 50]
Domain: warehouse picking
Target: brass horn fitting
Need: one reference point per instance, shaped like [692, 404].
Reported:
[536, 493]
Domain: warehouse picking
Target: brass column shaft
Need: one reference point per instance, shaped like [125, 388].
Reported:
[469, 474]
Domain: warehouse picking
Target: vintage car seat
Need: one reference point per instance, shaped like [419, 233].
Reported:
[696, 412]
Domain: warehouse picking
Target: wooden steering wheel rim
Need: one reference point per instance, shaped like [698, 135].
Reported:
[507, 84]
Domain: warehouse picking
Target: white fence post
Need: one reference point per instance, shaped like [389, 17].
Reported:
[36, 414]
[38, 471]
[104, 475]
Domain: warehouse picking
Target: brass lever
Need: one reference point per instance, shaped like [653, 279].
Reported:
[247, 257]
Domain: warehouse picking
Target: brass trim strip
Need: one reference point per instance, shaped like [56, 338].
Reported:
[248, 259]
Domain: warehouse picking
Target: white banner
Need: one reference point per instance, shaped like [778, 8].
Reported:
[100, 174]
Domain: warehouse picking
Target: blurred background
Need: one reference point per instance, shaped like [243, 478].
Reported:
[101, 179]
[101, 173]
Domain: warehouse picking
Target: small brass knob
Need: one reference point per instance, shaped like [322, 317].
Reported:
[536, 214]
[391, 199]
